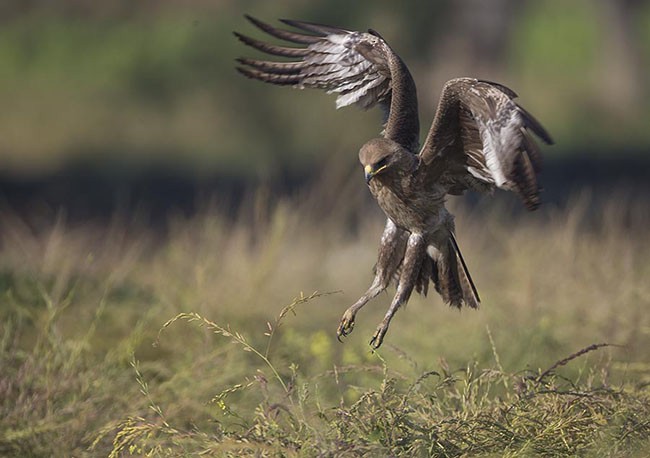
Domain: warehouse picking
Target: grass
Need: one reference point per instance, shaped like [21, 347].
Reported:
[121, 341]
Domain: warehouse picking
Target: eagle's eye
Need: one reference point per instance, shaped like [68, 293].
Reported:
[381, 163]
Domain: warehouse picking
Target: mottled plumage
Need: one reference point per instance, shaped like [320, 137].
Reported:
[480, 139]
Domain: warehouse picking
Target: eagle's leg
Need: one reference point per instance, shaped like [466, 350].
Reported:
[391, 250]
[415, 253]
[346, 325]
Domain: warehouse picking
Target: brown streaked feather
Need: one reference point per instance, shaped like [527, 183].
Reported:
[268, 48]
[532, 149]
[453, 280]
[279, 68]
[525, 179]
[506, 90]
[481, 139]
[274, 78]
[450, 289]
[321, 29]
[282, 34]
[533, 124]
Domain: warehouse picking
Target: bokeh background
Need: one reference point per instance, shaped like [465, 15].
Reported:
[139, 101]
[141, 177]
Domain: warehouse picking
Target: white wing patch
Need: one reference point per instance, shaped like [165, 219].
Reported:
[359, 67]
[353, 65]
[352, 76]
[481, 139]
[480, 174]
[501, 139]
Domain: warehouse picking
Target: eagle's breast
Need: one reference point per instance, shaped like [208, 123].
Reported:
[415, 210]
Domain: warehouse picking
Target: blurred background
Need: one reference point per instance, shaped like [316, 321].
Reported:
[142, 177]
[121, 104]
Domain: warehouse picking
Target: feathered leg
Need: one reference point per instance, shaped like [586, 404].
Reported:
[391, 251]
[415, 253]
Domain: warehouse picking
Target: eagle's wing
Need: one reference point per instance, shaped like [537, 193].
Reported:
[359, 67]
[481, 139]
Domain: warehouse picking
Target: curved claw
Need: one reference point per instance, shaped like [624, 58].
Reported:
[378, 336]
[345, 326]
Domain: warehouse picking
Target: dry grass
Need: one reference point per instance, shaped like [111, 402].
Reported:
[89, 366]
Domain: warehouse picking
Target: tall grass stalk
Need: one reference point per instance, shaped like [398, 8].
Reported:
[81, 308]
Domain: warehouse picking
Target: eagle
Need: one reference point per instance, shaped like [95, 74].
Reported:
[480, 139]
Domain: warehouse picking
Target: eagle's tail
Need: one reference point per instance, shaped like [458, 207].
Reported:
[451, 275]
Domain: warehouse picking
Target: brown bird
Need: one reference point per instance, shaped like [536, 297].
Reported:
[480, 139]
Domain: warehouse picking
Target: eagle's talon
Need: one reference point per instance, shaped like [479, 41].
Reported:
[378, 336]
[345, 326]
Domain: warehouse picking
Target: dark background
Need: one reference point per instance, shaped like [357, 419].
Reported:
[135, 106]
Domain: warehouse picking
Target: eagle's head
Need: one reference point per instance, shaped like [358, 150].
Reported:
[381, 156]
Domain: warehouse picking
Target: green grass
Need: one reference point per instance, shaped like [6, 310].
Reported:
[118, 341]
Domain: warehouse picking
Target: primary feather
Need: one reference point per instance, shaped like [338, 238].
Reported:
[359, 67]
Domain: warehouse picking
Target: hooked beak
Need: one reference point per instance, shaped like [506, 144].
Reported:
[369, 172]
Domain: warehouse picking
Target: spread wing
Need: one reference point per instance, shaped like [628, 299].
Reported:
[359, 67]
[481, 139]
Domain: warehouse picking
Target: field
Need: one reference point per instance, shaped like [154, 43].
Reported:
[215, 335]
[178, 243]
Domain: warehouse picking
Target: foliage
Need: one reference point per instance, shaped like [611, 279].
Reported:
[82, 307]
[443, 413]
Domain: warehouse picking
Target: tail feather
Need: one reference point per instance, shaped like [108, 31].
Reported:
[470, 293]
[451, 276]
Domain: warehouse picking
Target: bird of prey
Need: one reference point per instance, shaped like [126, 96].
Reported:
[480, 139]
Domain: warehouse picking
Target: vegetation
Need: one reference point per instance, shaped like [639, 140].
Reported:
[156, 334]
[117, 341]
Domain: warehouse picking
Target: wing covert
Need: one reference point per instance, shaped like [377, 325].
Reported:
[481, 139]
